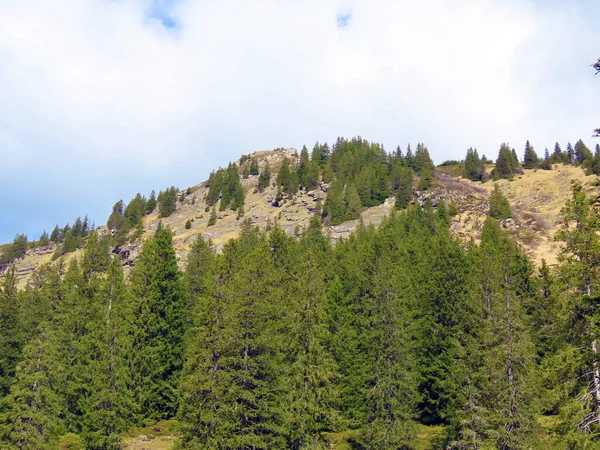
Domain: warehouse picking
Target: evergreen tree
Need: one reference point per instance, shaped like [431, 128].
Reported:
[499, 206]
[12, 337]
[254, 170]
[404, 189]
[265, 178]
[167, 202]
[570, 154]
[44, 239]
[135, 210]
[500, 409]
[228, 393]
[213, 217]
[507, 164]
[159, 325]
[530, 158]
[302, 167]
[109, 403]
[393, 385]
[546, 162]
[116, 220]
[286, 178]
[557, 154]
[33, 411]
[310, 369]
[151, 203]
[582, 154]
[55, 235]
[474, 167]
[353, 204]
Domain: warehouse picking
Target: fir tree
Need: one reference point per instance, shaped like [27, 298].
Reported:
[474, 167]
[151, 203]
[530, 158]
[33, 410]
[546, 162]
[228, 395]
[109, 403]
[254, 170]
[286, 178]
[404, 189]
[159, 325]
[393, 386]
[499, 206]
[265, 178]
[12, 337]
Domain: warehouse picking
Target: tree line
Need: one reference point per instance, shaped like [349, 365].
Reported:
[275, 340]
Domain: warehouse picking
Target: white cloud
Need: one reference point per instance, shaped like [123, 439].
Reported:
[103, 79]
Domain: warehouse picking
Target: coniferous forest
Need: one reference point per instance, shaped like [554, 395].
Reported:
[277, 340]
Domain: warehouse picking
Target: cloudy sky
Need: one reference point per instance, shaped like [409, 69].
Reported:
[100, 99]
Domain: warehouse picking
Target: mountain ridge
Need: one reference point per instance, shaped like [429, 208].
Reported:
[536, 198]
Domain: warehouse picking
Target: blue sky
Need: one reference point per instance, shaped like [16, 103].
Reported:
[101, 99]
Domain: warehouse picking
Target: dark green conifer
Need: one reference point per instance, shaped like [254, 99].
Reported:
[158, 309]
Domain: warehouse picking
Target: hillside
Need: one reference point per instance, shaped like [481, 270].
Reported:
[536, 198]
[278, 339]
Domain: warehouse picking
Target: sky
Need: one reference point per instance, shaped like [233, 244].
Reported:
[101, 99]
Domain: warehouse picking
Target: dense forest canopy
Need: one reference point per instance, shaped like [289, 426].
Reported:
[277, 340]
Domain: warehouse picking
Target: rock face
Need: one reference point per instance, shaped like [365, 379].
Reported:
[535, 197]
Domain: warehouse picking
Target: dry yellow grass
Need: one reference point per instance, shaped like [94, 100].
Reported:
[536, 198]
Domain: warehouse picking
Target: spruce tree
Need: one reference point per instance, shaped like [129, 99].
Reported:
[392, 390]
[158, 308]
[254, 170]
[265, 178]
[310, 370]
[12, 336]
[109, 403]
[32, 417]
[499, 206]
[404, 189]
[530, 158]
[229, 390]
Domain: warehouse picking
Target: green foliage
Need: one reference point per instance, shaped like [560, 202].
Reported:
[73, 237]
[403, 185]
[15, 250]
[320, 154]
[530, 157]
[44, 239]
[71, 441]
[507, 164]
[499, 206]
[226, 185]
[188, 224]
[279, 342]
[12, 338]
[450, 163]
[453, 209]
[151, 204]
[135, 210]
[229, 389]
[158, 309]
[32, 412]
[546, 163]
[213, 217]
[474, 166]
[583, 156]
[264, 178]
[167, 201]
[254, 170]
[287, 179]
